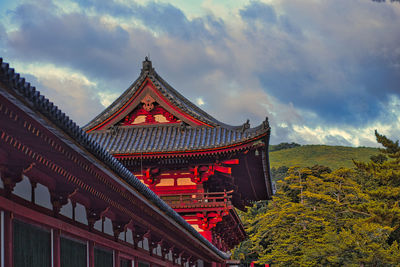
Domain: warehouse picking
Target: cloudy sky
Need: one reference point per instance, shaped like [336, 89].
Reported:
[323, 71]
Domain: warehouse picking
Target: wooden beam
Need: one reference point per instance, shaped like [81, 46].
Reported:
[231, 162]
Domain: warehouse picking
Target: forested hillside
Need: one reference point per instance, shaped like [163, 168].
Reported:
[333, 157]
[286, 155]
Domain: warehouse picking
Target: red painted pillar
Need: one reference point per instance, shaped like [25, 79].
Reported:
[116, 258]
[56, 248]
[8, 241]
[91, 254]
[136, 262]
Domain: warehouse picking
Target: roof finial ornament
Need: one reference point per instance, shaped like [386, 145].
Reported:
[246, 125]
[147, 66]
[266, 124]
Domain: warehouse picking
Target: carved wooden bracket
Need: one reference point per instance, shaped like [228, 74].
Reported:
[185, 257]
[58, 200]
[209, 221]
[11, 175]
[59, 197]
[165, 248]
[119, 227]
[154, 241]
[202, 173]
[175, 253]
[94, 214]
[138, 233]
[151, 176]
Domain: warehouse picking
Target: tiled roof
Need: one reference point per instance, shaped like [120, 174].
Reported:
[168, 137]
[39, 103]
[163, 138]
[167, 91]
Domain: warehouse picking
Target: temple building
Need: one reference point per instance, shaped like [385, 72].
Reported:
[201, 167]
[66, 202]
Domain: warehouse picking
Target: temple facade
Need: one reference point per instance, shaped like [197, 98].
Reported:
[66, 202]
[199, 166]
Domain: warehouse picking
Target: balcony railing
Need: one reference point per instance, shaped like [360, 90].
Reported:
[198, 200]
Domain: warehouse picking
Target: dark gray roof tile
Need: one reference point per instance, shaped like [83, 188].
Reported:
[134, 139]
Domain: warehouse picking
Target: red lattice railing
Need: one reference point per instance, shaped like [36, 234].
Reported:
[202, 200]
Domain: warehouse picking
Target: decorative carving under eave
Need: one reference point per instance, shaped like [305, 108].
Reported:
[153, 240]
[185, 257]
[94, 214]
[11, 175]
[58, 200]
[209, 221]
[202, 173]
[151, 176]
[119, 227]
[138, 233]
[148, 103]
[165, 248]
[150, 112]
[59, 197]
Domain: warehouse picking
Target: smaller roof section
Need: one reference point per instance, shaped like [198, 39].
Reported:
[149, 101]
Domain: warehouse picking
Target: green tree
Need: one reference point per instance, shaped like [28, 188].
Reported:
[347, 217]
[246, 251]
[279, 173]
[283, 146]
[382, 185]
[301, 223]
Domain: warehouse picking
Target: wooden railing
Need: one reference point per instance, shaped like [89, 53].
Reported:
[214, 199]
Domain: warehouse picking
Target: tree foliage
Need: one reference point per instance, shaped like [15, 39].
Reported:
[334, 157]
[347, 217]
[282, 146]
[279, 173]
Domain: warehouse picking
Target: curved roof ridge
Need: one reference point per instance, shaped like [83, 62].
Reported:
[126, 95]
[193, 108]
[168, 92]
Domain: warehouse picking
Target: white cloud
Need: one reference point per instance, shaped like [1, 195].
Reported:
[310, 82]
[106, 98]
[200, 101]
[41, 71]
[71, 91]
